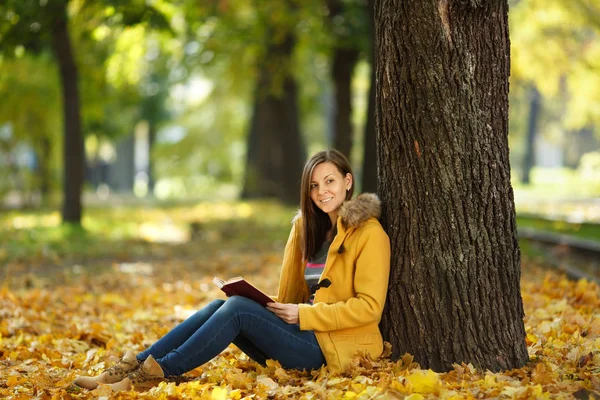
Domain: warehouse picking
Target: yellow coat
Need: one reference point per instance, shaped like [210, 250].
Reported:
[345, 316]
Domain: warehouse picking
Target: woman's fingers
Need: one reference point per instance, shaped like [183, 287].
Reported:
[287, 312]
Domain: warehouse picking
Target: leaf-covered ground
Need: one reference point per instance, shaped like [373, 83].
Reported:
[81, 314]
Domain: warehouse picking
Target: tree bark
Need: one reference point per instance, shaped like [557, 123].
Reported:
[151, 142]
[121, 173]
[73, 156]
[276, 153]
[369, 171]
[448, 207]
[44, 154]
[534, 115]
[345, 57]
[344, 62]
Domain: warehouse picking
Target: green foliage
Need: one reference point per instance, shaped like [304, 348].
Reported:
[30, 111]
[556, 45]
[111, 106]
[30, 96]
[126, 231]
[562, 182]
[191, 67]
[581, 230]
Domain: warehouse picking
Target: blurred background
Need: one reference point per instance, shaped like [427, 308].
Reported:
[170, 101]
[149, 145]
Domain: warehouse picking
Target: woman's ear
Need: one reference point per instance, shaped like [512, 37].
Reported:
[348, 181]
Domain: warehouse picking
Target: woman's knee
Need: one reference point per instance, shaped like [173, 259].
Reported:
[211, 307]
[237, 300]
[239, 303]
[216, 303]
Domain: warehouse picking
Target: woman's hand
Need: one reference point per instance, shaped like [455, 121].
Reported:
[287, 312]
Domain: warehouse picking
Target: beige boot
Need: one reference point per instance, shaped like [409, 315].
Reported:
[142, 379]
[116, 373]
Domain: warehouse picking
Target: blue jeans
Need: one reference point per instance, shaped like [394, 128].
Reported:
[255, 330]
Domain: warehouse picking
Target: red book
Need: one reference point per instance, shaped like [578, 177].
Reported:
[239, 287]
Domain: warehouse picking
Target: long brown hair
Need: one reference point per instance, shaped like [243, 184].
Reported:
[315, 222]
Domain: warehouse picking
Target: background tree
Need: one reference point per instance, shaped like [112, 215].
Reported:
[442, 120]
[369, 169]
[30, 100]
[44, 27]
[276, 150]
[555, 48]
[532, 129]
[346, 21]
[38, 26]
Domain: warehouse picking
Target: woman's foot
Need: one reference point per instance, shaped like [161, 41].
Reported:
[116, 373]
[147, 376]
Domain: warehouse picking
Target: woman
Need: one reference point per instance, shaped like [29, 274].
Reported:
[332, 290]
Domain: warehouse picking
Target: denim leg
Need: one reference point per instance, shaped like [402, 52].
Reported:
[182, 332]
[240, 316]
[251, 350]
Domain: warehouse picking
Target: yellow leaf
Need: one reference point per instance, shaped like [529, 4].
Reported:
[15, 380]
[219, 393]
[537, 391]
[531, 339]
[414, 396]
[266, 381]
[396, 385]
[424, 381]
[335, 381]
[489, 381]
[349, 395]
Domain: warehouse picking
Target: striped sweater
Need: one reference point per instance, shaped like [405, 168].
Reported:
[314, 269]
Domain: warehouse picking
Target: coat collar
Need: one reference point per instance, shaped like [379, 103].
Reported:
[356, 211]
[360, 209]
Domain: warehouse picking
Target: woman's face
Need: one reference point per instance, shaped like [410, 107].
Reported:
[328, 187]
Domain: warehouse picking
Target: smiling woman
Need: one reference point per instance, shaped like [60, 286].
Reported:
[326, 183]
[332, 289]
[329, 188]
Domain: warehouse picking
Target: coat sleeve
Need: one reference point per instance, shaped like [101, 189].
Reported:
[370, 285]
[292, 286]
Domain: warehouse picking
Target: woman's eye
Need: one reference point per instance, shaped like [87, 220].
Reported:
[329, 180]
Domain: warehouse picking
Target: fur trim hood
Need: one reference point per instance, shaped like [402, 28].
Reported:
[358, 210]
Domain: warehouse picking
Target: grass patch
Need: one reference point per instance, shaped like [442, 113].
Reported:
[583, 230]
[135, 230]
[151, 230]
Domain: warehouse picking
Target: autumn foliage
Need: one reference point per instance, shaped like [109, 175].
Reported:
[52, 332]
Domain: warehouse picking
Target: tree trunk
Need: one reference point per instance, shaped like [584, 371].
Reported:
[44, 154]
[448, 207]
[151, 141]
[276, 151]
[534, 114]
[344, 61]
[369, 171]
[345, 57]
[121, 173]
[73, 156]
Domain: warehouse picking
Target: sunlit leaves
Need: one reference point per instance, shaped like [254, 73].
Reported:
[49, 334]
[125, 65]
[556, 45]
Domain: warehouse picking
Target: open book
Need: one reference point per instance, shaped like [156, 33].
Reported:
[239, 287]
